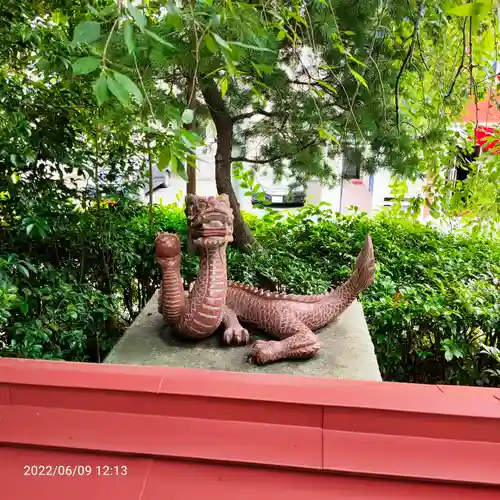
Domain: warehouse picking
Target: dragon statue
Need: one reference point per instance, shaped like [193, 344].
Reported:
[213, 300]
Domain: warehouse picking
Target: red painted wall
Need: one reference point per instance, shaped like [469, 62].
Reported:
[81, 431]
[487, 111]
[356, 193]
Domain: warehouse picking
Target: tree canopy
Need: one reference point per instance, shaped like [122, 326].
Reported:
[307, 80]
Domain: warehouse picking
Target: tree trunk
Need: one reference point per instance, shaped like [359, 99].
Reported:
[191, 171]
[150, 173]
[243, 237]
[191, 101]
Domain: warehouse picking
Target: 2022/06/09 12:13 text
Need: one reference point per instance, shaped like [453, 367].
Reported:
[105, 470]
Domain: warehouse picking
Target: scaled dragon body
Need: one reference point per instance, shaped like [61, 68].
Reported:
[213, 300]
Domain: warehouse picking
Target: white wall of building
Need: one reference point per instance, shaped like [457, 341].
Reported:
[382, 189]
[332, 195]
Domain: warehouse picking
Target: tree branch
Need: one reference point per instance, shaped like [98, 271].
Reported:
[472, 81]
[421, 53]
[244, 116]
[416, 29]
[277, 157]
[318, 84]
[461, 65]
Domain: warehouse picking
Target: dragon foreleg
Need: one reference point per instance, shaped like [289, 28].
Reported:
[234, 333]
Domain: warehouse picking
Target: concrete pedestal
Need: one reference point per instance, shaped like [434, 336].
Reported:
[346, 349]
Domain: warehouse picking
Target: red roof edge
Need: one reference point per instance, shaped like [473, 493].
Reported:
[361, 432]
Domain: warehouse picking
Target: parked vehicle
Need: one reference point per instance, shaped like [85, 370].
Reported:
[286, 192]
[110, 182]
[161, 179]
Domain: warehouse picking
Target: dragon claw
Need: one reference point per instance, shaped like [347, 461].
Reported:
[236, 336]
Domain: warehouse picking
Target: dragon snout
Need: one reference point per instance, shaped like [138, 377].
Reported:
[216, 215]
[212, 220]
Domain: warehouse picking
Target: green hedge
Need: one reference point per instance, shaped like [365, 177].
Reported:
[70, 293]
[434, 303]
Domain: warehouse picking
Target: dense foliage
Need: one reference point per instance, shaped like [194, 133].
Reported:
[69, 293]
[294, 84]
[434, 303]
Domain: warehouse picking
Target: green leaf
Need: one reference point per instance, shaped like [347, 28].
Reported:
[251, 47]
[188, 116]
[86, 32]
[24, 307]
[154, 36]
[118, 91]
[181, 170]
[173, 19]
[210, 43]
[23, 270]
[108, 10]
[164, 158]
[128, 35]
[101, 89]
[358, 77]
[223, 86]
[323, 133]
[129, 86]
[92, 9]
[468, 9]
[230, 67]
[59, 18]
[326, 85]
[173, 163]
[357, 61]
[281, 35]
[220, 41]
[86, 65]
[139, 17]
[263, 68]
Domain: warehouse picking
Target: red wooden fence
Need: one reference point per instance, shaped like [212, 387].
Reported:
[81, 431]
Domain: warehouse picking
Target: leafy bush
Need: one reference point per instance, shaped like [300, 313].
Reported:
[69, 292]
[435, 302]
[433, 311]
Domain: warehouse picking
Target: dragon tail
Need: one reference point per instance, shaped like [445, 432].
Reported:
[364, 271]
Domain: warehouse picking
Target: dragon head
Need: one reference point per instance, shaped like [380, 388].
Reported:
[210, 220]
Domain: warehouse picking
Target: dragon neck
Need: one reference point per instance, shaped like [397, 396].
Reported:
[173, 302]
[207, 298]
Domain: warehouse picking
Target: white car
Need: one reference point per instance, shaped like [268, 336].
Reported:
[119, 184]
[284, 193]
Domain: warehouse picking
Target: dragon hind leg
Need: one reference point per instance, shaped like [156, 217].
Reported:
[234, 334]
[299, 342]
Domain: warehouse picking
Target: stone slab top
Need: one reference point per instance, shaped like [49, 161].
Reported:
[346, 349]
